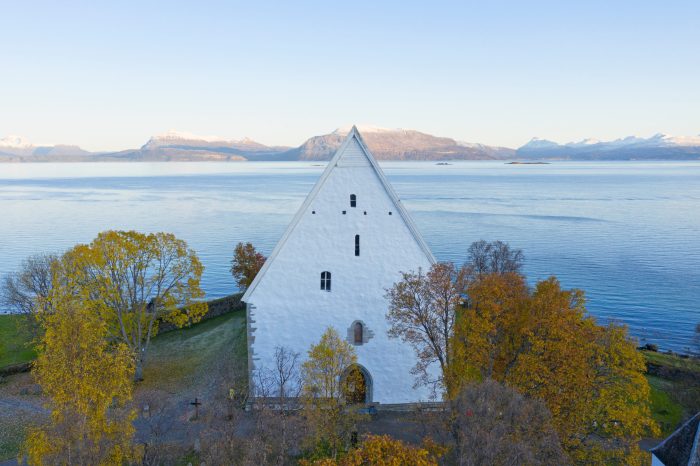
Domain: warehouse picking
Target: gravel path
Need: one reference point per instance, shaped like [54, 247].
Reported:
[11, 405]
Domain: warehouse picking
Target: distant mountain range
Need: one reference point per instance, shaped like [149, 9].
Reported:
[385, 144]
[17, 149]
[398, 144]
[657, 147]
[176, 146]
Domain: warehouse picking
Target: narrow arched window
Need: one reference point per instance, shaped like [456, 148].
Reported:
[357, 245]
[357, 330]
[326, 281]
[353, 200]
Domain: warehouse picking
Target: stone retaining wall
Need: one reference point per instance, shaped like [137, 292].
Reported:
[217, 307]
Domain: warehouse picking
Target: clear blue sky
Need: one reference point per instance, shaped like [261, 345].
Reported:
[107, 75]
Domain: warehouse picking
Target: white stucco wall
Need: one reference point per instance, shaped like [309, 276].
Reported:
[288, 308]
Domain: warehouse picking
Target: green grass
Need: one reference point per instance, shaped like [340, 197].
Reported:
[181, 356]
[667, 412]
[15, 341]
[11, 438]
[676, 395]
[672, 360]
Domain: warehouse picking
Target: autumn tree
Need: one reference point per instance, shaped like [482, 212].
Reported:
[277, 390]
[383, 450]
[543, 343]
[422, 312]
[496, 425]
[139, 280]
[327, 361]
[25, 291]
[497, 257]
[271, 429]
[88, 382]
[490, 329]
[325, 376]
[283, 379]
[246, 264]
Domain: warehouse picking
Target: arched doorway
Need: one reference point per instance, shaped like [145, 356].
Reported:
[357, 385]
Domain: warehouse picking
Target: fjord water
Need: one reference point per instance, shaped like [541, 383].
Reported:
[628, 233]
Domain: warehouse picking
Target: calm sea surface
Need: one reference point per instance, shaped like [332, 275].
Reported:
[627, 233]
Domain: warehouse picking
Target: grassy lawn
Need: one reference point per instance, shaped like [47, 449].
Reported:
[13, 430]
[673, 361]
[675, 392]
[15, 342]
[180, 357]
[11, 439]
[10, 442]
[665, 410]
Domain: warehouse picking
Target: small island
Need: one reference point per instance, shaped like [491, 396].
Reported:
[527, 163]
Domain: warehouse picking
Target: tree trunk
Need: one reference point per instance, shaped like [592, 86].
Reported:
[138, 373]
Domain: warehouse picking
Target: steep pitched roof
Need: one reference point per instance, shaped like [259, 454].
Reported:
[681, 447]
[354, 134]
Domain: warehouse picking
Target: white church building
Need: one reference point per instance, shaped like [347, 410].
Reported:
[346, 245]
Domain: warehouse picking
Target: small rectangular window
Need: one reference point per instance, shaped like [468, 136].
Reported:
[357, 245]
[353, 200]
[326, 281]
[358, 333]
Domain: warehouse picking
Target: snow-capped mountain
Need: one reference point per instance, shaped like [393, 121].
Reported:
[664, 140]
[344, 130]
[659, 146]
[178, 138]
[14, 142]
[182, 146]
[19, 149]
[385, 143]
[584, 142]
[537, 143]
[398, 144]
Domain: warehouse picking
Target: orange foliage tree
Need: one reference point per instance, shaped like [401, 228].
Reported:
[543, 344]
[246, 264]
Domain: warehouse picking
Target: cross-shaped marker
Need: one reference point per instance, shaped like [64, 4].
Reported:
[196, 403]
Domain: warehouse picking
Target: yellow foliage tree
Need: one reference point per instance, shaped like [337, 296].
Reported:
[326, 363]
[326, 375]
[138, 280]
[88, 382]
[543, 344]
[382, 450]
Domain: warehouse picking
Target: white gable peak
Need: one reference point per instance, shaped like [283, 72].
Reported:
[353, 152]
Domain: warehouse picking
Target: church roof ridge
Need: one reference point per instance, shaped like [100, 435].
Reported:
[332, 164]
